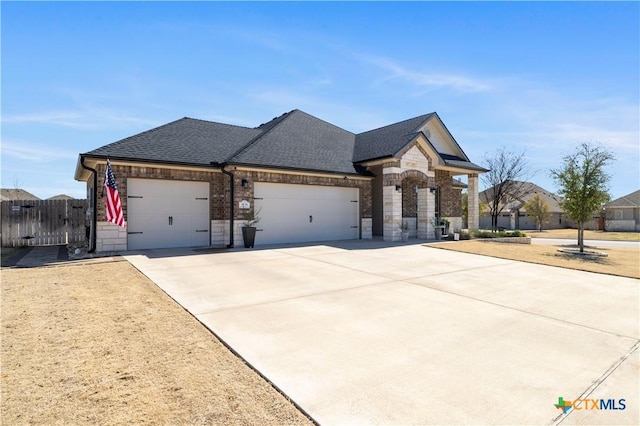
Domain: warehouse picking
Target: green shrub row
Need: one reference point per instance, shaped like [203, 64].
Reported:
[498, 234]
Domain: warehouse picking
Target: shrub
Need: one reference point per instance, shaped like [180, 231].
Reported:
[500, 234]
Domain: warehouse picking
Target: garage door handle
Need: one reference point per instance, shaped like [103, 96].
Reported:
[310, 219]
[170, 220]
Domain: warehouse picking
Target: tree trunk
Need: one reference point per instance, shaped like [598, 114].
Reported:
[581, 237]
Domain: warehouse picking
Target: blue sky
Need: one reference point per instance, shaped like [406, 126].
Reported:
[537, 77]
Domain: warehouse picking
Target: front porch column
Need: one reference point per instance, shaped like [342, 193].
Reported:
[426, 211]
[392, 213]
[473, 200]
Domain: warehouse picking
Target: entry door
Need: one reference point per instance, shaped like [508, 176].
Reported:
[300, 213]
[167, 213]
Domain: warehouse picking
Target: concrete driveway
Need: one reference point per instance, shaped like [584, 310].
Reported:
[365, 332]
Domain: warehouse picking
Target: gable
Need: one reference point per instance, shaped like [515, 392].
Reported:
[629, 200]
[439, 136]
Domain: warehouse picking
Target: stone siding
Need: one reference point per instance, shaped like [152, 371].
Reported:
[110, 237]
[366, 229]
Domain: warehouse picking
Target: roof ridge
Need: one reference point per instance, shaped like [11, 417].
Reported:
[324, 121]
[246, 146]
[399, 122]
[213, 122]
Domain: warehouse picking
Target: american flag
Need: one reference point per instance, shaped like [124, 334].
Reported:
[114, 207]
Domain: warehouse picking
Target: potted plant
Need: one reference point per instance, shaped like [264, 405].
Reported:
[405, 231]
[437, 228]
[249, 229]
[445, 226]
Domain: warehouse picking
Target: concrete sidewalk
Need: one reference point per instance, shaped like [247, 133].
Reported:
[375, 334]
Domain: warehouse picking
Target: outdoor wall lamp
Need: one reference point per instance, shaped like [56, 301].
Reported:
[398, 187]
[245, 183]
[433, 189]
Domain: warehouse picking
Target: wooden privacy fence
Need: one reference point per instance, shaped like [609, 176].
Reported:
[42, 222]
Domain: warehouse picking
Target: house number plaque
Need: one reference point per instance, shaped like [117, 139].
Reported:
[244, 204]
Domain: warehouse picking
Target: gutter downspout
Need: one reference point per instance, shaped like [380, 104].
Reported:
[94, 207]
[231, 202]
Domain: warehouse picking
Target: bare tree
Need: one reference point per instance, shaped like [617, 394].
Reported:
[505, 181]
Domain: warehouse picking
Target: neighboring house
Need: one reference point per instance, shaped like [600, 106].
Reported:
[61, 197]
[514, 215]
[192, 182]
[623, 214]
[12, 194]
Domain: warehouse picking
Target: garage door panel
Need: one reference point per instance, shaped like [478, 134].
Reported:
[299, 213]
[152, 202]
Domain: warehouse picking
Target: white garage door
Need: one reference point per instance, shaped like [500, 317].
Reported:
[167, 213]
[300, 213]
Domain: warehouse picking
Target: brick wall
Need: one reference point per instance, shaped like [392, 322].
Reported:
[242, 193]
[450, 197]
[219, 187]
[216, 181]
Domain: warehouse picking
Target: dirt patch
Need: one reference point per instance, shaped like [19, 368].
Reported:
[619, 261]
[100, 343]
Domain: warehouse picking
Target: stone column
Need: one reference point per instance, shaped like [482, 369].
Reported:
[392, 213]
[426, 201]
[473, 199]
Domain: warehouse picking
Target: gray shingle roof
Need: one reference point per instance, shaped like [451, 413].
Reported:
[455, 161]
[293, 142]
[11, 194]
[184, 141]
[629, 200]
[387, 141]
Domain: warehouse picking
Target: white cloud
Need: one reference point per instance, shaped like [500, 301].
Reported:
[86, 118]
[428, 80]
[34, 152]
[59, 118]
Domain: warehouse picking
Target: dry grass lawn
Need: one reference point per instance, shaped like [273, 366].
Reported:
[588, 235]
[98, 343]
[620, 261]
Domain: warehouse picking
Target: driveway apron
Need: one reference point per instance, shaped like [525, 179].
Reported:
[368, 333]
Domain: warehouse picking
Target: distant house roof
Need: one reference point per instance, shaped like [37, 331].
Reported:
[294, 140]
[528, 191]
[11, 194]
[629, 200]
[61, 197]
[457, 183]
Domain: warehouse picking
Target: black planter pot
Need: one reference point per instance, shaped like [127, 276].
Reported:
[249, 236]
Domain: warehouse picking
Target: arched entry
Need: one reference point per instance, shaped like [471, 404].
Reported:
[409, 197]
